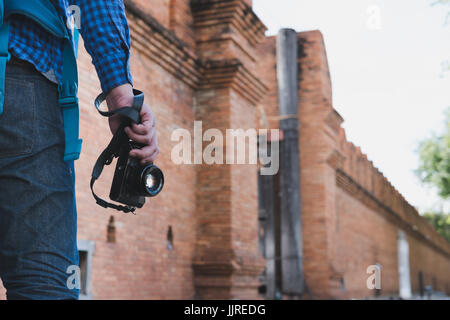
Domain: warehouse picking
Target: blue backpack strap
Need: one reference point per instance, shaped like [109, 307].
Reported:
[4, 58]
[43, 12]
[1, 11]
[68, 98]
[68, 101]
[76, 38]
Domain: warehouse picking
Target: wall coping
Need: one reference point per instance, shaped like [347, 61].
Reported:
[358, 176]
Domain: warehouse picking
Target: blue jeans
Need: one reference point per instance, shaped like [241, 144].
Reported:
[37, 194]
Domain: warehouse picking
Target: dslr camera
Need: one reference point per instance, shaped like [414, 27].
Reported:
[133, 182]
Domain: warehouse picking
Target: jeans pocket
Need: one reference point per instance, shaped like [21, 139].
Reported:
[17, 119]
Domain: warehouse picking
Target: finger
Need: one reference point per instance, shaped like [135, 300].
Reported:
[143, 128]
[144, 139]
[148, 136]
[151, 158]
[147, 115]
[147, 121]
[140, 128]
[145, 152]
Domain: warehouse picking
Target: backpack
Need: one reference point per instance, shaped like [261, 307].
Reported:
[45, 14]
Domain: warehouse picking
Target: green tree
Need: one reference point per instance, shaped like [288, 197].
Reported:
[434, 170]
[441, 223]
[434, 154]
[434, 160]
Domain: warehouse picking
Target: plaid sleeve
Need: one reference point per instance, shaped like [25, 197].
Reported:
[106, 36]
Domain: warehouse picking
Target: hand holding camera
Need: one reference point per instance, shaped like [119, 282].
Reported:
[144, 132]
[134, 143]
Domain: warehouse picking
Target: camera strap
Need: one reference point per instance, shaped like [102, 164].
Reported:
[129, 115]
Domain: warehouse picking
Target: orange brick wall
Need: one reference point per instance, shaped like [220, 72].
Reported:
[227, 261]
[139, 265]
[351, 214]
[159, 9]
[360, 238]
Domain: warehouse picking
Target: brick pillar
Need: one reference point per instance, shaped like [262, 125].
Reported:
[318, 144]
[227, 261]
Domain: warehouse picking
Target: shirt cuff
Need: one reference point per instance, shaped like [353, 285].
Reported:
[113, 71]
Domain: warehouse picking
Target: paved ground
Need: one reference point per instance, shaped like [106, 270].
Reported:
[433, 296]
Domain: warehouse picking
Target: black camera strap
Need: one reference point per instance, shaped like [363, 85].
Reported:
[129, 115]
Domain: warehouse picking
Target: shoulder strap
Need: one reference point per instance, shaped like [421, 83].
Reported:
[4, 58]
[41, 11]
[1, 11]
[44, 13]
[68, 101]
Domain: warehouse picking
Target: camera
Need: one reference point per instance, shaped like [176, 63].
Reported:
[133, 182]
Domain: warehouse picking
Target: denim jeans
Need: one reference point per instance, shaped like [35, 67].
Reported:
[37, 202]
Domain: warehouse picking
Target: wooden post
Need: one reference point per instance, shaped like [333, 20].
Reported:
[291, 228]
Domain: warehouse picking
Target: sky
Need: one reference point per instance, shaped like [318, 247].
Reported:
[386, 60]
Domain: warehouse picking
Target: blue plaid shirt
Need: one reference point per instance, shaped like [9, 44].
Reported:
[105, 32]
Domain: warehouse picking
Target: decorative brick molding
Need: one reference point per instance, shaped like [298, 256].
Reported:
[233, 15]
[162, 46]
[335, 159]
[227, 262]
[232, 74]
[334, 121]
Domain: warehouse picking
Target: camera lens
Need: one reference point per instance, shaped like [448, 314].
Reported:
[152, 180]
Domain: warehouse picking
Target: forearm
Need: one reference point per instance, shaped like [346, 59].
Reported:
[120, 96]
[105, 32]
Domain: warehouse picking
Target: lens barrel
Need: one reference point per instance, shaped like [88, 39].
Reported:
[152, 180]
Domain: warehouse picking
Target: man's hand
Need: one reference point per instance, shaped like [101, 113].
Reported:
[144, 133]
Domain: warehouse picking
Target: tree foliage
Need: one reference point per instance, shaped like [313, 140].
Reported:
[434, 170]
[434, 161]
[434, 166]
[441, 222]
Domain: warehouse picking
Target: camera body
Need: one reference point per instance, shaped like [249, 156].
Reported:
[133, 182]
